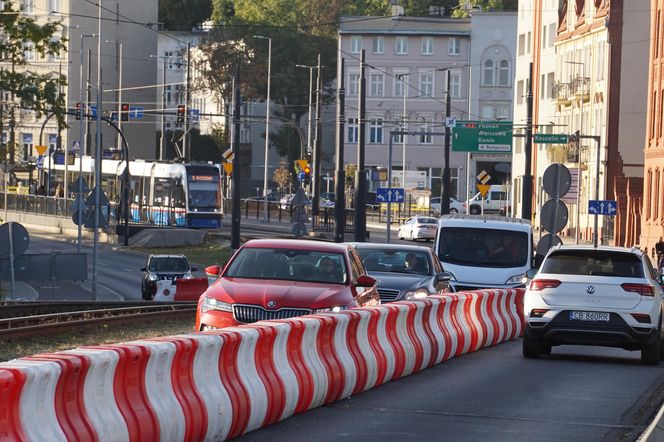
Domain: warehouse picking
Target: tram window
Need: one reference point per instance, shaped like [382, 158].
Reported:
[178, 195]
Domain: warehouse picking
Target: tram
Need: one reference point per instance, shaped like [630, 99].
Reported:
[161, 193]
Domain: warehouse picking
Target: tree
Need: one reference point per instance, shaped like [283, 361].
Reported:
[183, 15]
[36, 91]
[466, 5]
[282, 177]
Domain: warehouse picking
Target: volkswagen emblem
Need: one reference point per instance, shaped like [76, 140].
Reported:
[272, 304]
[590, 289]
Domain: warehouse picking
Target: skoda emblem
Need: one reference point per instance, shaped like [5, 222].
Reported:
[590, 289]
[272, 304]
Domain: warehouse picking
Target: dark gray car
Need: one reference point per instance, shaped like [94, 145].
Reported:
[403, 272]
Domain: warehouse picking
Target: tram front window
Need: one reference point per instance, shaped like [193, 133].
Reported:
[203, 198]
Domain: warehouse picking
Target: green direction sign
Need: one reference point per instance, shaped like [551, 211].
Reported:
[550, 138]
[482, 136]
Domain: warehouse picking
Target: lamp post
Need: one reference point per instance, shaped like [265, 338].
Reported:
[267, 124]
[119, 111]
[82, 112]
[310, 111]
[578, 157]
[162, 138]
[404, 125]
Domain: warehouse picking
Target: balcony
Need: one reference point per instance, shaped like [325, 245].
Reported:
[576, 90]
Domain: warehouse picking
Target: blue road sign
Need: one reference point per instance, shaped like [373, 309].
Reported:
[93, 111]
[390, 194]
[301, 176]
[136, 112]
[40, 162]
[194, 114]
[602, 207]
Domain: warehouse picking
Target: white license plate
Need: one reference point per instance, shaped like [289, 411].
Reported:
[589, 316]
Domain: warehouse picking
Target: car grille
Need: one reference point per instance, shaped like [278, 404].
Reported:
[388, 295]
[252, 313]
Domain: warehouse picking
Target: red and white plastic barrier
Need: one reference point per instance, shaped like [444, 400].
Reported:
[219, 385]
[181, 289]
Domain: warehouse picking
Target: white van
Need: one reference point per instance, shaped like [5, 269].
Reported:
[484, 251]
[497, 200]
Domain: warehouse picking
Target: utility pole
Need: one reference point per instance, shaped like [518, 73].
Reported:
[445, 202]
[98, 160]
[236, 214]
[186, 143]
[339, 174]
[527, 185]
[162, 137]
[88, 100]
[360, 174]
[315, 179]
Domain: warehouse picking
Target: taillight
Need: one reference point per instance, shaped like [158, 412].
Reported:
[541, 284]
[641, 318]
[641, 289]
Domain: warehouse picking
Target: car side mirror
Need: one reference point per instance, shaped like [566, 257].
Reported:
[213, 270]
[443, 277]
[660, 278]
[530, 274]
[143, 269]
[366, 281]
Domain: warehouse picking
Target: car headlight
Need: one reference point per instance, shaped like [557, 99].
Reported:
[517, 279]
[415, 294]
[336, 309]
[153, 277]
[215, 304]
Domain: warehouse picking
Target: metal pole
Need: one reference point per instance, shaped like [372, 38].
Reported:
[577, 232]
[88, 99]
[81, 146]
[236, 213]
[340, 175]
[596, 227]
[163, 109]
[311, 86]
[445, 201]
[97, 162]
[119, 111]
[267, 131]
[360, 176]
[527, 185]
[186, 143]
[315, 179]
[404, 128]
[389, 185]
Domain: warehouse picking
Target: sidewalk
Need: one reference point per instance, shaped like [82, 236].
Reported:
[22, 292]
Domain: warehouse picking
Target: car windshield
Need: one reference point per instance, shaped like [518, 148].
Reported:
[288, 265]
[397, 261]
[426, 221]
[593, 262]
[168, 264]
[203, 195]
[483, 247]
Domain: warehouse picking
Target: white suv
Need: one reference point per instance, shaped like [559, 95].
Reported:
[585, 295]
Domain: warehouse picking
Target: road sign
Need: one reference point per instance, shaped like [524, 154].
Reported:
[39, 162]
[556, 180]
[93, 111]
[546, 242]
[300, 165]
[20, 239]
[75, 147]
[301, 176]
[602, 207]
[483, 189]
[41, 149]
[194, 115]
[482, 136]
[136, 112]
[450, 122]
[550, 139]
[228, 168]
[554, 216]
[390, 194]
[80, 182]
[483, 177]
[103, 199]
[228, 154]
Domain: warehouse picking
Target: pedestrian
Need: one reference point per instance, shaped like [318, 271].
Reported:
[59, 191]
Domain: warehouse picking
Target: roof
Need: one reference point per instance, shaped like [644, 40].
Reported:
[485, 221]
[299, 244]
[383, 246]
[404, 25]
[599, 247]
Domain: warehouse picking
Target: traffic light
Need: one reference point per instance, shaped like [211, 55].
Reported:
[181, 112]
[124, 112]
[79, 110]
[307, 173]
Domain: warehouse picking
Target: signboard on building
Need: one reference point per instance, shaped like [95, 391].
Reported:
[482, 136]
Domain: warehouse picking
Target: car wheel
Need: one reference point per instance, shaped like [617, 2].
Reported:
[532, 348]
[453, 211]
[650, 353]
[475, 210]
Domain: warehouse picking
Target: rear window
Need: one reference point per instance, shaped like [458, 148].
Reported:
[426, 221]
[594, 262]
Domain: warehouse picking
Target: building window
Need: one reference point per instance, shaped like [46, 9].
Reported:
[522, 44]
[549, 83]
[427, 45]
[488, 73]
[29, 51]
[376, 131]
[400, 87]
[519, 92]
[56, 56]
[28, 6]
[453, 46]
[53, 6]
[169, 94]
[378, 45]
[355, 44]
[425, 134]
[401, 125]
[455, 84]
[353, 84]
[352, 130]
[426, 85]
[377, 81]
[504, 73]
[401, 45]
[528, 41]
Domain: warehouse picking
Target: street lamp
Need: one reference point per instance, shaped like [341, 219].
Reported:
[404, 124]
[578, 155]
[267, 123]
[309, 111]
[119, 111]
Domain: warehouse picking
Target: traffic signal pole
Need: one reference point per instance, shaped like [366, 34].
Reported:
[360, 174]
[339, 173]
[236, 213]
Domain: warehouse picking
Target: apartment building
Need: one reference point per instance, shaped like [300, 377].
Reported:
[407, 59]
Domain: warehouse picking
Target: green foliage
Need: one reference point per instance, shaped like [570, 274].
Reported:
[37, 91]
[485, 5]
[183, 15]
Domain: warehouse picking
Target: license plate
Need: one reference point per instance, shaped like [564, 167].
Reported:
[589, 316]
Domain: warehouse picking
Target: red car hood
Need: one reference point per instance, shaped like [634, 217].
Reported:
[285, 293]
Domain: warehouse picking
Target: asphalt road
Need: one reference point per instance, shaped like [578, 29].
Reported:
[576, 394]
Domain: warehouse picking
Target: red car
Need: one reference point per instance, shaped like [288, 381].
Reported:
[283, 278]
